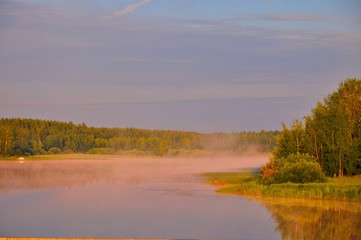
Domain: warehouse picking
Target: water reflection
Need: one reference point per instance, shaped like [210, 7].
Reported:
[139, 198]
[314, 219]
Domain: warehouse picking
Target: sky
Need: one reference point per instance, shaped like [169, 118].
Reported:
[196, 65]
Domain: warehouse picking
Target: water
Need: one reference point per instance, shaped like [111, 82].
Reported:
[138, 198]
[311, 219]
[103, 210]
[153, 198]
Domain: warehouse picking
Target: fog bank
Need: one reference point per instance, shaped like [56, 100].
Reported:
[127, 170]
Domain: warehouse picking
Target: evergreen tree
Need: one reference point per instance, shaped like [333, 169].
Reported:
[31, 136]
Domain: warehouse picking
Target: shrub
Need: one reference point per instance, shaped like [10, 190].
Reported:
[300, 172]
[68, 151]
[133, 152]
[268, 171]
[178, 152]
[100, 151]
[42, 152]
[295, 168]
[54, 150]
[136, 152]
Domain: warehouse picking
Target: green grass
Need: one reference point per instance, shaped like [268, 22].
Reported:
[248, 184]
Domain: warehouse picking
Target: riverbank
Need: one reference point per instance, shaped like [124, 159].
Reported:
[263, 157]
[247, 184]
[73, 156]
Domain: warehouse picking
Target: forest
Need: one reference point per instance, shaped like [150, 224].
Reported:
[327, 141]
[24, 137]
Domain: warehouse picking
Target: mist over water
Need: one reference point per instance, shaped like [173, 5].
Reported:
[66, 173]
[57, 173]
[121, 198]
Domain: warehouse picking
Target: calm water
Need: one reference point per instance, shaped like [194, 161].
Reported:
[143, 198]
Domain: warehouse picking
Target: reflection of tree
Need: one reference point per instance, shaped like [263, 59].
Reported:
[311, 219]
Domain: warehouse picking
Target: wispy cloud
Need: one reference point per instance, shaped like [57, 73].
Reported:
[130, 8]
[292, 17]
[28, 11]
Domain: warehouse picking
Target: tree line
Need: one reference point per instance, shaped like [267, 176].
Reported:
[330, 137]
[33, 137]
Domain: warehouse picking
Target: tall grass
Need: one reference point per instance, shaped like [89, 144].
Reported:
[248, 184]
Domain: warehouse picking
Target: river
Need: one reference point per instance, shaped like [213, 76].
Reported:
[135, 198]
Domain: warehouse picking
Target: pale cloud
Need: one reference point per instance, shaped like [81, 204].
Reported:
[130, 8]
[292, 17]
[53, 93]
[30, 11]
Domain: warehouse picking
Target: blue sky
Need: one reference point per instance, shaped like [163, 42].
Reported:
[200, 65]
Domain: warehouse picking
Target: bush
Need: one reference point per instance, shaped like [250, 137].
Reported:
[42, 152]
[68, 151]
[300, 172]
[100, 151]
[299, 168]
[133, 152]
[136, 152]
[268, 171]
[54, 150]
[182, 152]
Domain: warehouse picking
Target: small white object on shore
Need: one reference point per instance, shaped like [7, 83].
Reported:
[21, 160]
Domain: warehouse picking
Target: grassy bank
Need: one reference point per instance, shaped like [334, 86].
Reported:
[248, 184]
[74, 156]
[120, 154]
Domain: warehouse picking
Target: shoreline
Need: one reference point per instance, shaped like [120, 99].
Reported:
[246, 184]
[87, 156]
